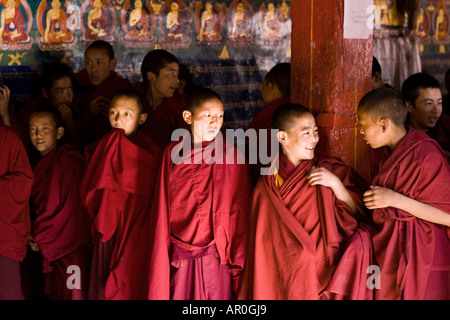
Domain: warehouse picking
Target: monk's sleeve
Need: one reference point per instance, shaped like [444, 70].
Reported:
[16, 179]
[239, 223]
[159, 270]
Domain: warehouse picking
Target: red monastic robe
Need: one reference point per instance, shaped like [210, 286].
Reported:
[441, 133]
[117, 190]
[413, 254]
[61, 223]
[16, 179]
[99, 124]
[263, 119]
[164, 119]
[297, 232]
[200, 225]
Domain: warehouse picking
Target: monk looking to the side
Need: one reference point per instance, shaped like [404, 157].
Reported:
[117, 190]
[60, 224]
[301, 215]
[200, 212]
[410, 199]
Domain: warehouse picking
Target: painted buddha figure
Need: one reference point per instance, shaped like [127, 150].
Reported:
[209, 28]
[12, 23]
[56, 30]
[98, 20]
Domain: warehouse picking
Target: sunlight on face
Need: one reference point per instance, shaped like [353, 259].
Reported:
[124, 114]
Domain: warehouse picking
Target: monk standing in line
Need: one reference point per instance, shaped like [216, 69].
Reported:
[16, 179]
[117, 190]
[200, 212]
[60, 224]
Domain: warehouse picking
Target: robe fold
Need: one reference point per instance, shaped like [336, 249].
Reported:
[413, 254]
[200, 223]
[16, 180]
[117, 190]
[297, 233]
[164, 119]
[60, 222]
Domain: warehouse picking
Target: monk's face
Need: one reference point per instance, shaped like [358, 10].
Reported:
[165, 84]
[125, 114]
[300, 140]
[206, 120]
[98, 65]
[426, 110]
[371, 130]
[44, 134]
[60, 93]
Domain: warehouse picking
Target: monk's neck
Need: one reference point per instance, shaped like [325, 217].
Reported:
[397, 136]
[153, 97]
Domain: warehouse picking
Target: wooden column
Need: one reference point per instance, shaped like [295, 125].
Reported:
[329, 76]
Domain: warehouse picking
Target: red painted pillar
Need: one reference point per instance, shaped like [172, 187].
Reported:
[330, 75]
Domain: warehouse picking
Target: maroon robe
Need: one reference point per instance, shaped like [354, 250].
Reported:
[413, 253]
[99, 124]
[441, 133]
[164, 119]
[297, 232]
[117, 190]
[200, 225]
[61, 223]
[16, 179]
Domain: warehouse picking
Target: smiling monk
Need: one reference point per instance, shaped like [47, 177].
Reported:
[301, 215]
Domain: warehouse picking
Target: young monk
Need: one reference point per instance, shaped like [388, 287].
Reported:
[301, 215]
[16, 179]
[98, 82]
[58, 91]
[60, 226]
[163, 103]
[200, 212]
[117, 190]
[410, 199]
[423, 97]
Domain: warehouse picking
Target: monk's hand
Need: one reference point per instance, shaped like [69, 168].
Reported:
[65, 111]
[33, 245]
[100, 105]
[379, 197]
[5, 95]
[323, 177]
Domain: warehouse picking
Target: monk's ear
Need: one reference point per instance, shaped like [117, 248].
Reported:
[142, 118]
[282, 137]
[44, 93]
[112, 64]
[384, 124]
[59, 132]
[410, 106]
[151, 76]
[187, 116]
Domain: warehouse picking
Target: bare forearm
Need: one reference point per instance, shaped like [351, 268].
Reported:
[342, 194]
[421, 210]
